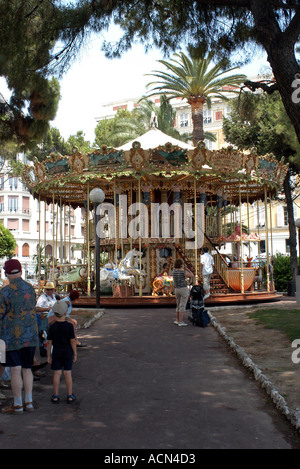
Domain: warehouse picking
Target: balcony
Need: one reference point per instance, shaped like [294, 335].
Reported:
[15, 211]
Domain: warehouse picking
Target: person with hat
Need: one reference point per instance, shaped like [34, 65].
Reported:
[61, 351]
[19, 331]
[69, 300]
[46, 300]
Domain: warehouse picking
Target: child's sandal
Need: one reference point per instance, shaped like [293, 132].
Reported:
[70, 398]
[55, 399]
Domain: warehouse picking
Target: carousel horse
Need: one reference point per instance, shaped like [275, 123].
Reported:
[162, 284]
[126, 271]
[74, 276]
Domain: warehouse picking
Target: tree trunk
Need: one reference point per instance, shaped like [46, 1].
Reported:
[292, 226]
[197, 118]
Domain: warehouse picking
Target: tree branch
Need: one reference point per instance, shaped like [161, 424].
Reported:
[269, 86]
[293, 29]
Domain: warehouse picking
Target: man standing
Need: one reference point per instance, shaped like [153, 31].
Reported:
[207, 263]
[20, 333]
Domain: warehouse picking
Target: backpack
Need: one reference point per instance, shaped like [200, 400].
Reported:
[199, 316]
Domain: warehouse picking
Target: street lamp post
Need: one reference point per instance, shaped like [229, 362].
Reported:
[97, 196]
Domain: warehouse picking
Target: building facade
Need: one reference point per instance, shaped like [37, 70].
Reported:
[32, 223]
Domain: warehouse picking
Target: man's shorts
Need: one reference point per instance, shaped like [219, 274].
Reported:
[22, 357]
[206, 282]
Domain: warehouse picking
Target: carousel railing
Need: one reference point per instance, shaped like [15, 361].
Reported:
[221, 265]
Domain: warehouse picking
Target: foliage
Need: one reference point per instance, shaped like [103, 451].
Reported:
[126, 125]
[53, 142]
[7, 243]
[78, 142]
[197, 80]
[40, 39]
[260, 120]
[282, 271]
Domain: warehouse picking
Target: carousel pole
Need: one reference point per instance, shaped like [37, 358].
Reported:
[69, 232]
[116, 225]
[258, 227]
[61, 236]
[39, 251]
[241, 240]
[53, 237]
[196, 233]
[271, 237]
[140, 242]
[248, 218]
[45, 234]
[267, 238]
[87, 220]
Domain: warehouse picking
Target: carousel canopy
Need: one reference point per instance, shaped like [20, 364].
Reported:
[154, 138]
[228, 172]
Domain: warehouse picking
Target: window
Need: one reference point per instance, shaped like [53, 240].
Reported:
[183, 120]
[13, 183]
[25, 250]
[13, 202]
[287, 246]
[1, 183]
[262, 245]
[207, 116]
[286, 220]
[1, 203]
[25, 225]
[25, 204]
[13, 224]
[209, 144]
[218, 115]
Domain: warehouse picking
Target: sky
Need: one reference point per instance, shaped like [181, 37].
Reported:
[93, 80]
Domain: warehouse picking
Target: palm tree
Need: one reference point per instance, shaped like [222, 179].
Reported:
[196, 80]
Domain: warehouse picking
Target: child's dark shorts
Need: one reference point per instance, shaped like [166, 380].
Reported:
[62, 362]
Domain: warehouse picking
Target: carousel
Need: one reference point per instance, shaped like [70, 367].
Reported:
[164, 199]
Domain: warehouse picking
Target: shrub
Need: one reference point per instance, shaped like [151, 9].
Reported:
[282, 271]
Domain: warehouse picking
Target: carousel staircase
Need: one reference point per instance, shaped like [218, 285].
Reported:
[217, 284]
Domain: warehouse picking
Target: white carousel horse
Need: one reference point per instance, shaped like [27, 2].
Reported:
[126, 271]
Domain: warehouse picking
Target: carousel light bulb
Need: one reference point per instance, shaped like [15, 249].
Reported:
[97, 196]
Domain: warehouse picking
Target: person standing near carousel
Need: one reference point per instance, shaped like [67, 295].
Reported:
[207, 262]
[181, 290]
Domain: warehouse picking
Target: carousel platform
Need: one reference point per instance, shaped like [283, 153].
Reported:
[170, 301]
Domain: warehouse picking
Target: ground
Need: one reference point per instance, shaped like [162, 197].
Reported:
[269, 349]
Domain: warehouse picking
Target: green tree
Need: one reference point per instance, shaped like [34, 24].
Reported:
[7, 243]
[52, 142]
[126, 125]
[40, 38]
[197, 80]
[260, 121]
[78, 141]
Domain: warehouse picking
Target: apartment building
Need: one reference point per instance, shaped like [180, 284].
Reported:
[32, 223]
